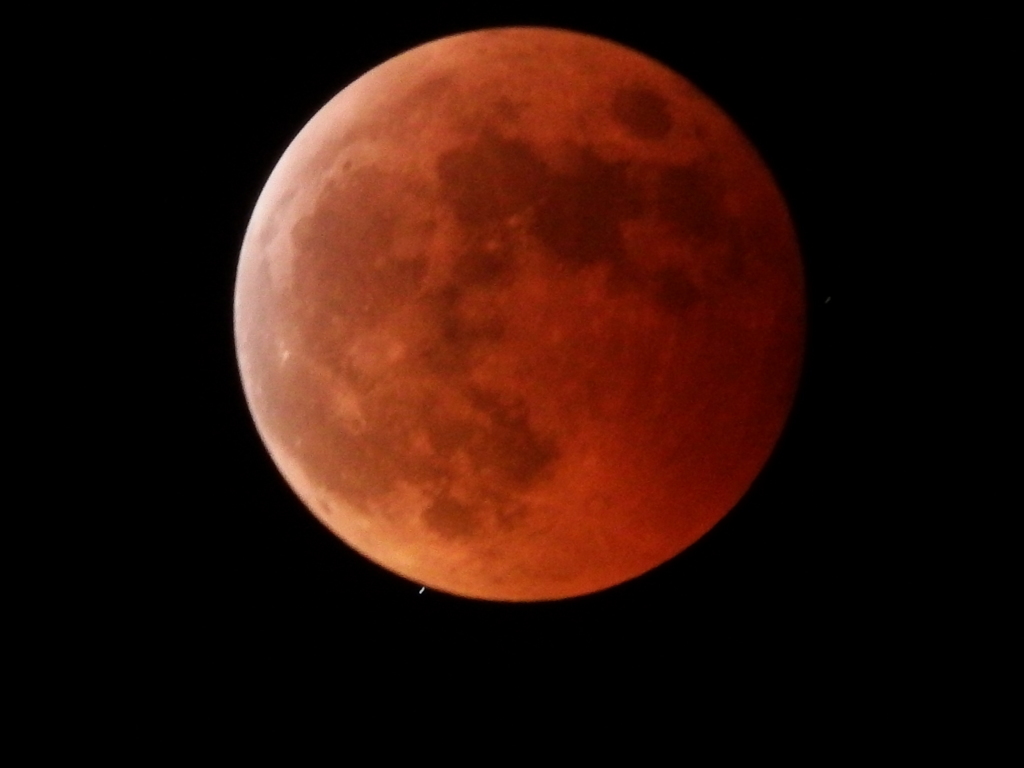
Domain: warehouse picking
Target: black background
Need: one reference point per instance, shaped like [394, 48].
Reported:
[219, 566]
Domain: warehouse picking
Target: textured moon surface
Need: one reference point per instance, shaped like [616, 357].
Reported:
[519, 314]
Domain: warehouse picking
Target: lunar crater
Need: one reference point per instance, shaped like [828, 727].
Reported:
[643, 111]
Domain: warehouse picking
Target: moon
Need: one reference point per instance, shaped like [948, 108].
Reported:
[519, 314]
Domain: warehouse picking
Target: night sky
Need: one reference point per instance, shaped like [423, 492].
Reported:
[226, 567]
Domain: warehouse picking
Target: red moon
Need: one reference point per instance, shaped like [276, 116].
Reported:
[519, 314]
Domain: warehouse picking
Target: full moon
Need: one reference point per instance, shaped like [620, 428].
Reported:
[519, 314]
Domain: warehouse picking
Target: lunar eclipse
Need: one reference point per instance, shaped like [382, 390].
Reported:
[519, 314]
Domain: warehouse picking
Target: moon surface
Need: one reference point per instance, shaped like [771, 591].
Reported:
[519, 314]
